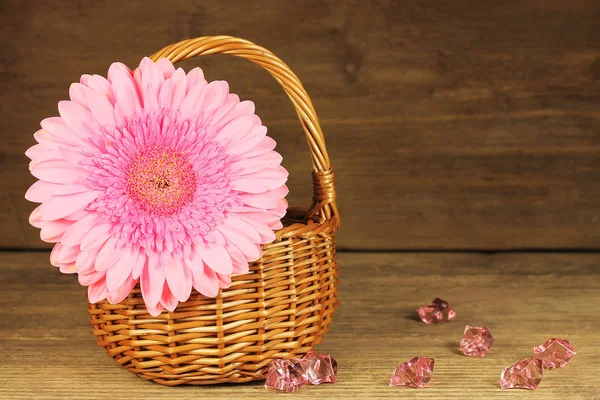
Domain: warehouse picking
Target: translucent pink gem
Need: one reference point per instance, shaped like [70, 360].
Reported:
[317, 368]
[435, 312]
[524, 374]
[554, 353]
[416, 373]
[476, 341]
[283, 376]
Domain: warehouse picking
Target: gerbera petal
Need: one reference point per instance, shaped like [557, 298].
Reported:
[79, 229]
[217, 259]
[166, 67]
[195, 78]
[54, 254]
[155, 310]
[165, 95]
[70, 188]
[149, 78]
[35, 218]
[267, 200]
[178, 88]
[206, 282]
[195, 262]
[251, 140]
[251, 250]
[238, 259]
[124, 89]
[217, 118]
[224, 281]
[152, 279]
[91, 278]
[178, 278]
[85, 261]
[239, 109]
[100, 84]
[276, 226]
[41, 191]
[245, 166]
[118, 273]
[97, 291]
[269, 217]
[119, 294]
[76, 116]
[59, 131]
[63, 254]
[269, 178]
[97, 236]
[44, 139]
[150, 69]
[77, 215]
[278, 212]
[58, 171]
[265, 145]
[61, 206]
[236, 129]
[40, 152]
[74, 157]
[216, 94]
[100, 107]
[219, 238]
[77, 95]
[140, 263]
[266, 233]
[52, 231]
[241, 226]
[249, 185]
[68, 268]
[109, 255]
[167, 299]
[270, 175]
[190, 106]
[281, 208]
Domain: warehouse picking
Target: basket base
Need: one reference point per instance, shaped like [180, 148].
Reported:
[202, 377]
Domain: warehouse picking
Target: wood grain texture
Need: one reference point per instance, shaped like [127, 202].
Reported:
[49, 351]
[451, 124]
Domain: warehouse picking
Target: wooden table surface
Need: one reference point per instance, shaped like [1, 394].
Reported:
[524, 298]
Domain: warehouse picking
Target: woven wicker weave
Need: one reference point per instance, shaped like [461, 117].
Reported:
[280, 309]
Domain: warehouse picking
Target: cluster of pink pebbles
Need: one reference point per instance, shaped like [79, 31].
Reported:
[476, 342]
[290, 375]
[316, 368]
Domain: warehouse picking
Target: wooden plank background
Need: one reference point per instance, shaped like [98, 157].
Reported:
[452, 124]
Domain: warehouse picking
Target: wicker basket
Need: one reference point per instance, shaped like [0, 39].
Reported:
[280, 309]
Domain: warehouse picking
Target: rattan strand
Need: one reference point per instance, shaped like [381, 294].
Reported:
[280, 309]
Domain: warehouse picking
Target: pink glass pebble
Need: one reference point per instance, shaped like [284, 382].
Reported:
[435, 312]
[476, 341]
[524, 374]
[317, 368]
[554, 353]
[283, 376]
[416, 373]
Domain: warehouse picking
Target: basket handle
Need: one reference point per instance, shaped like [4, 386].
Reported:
[324, 206]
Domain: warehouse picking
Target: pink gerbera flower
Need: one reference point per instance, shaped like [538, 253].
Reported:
[158, 177]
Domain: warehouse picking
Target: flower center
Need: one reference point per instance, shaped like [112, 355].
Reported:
[160, 180]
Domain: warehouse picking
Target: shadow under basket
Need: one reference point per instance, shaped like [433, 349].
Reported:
[280, 309]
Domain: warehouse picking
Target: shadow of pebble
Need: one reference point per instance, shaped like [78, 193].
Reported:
[454, 347]
[412, 316]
